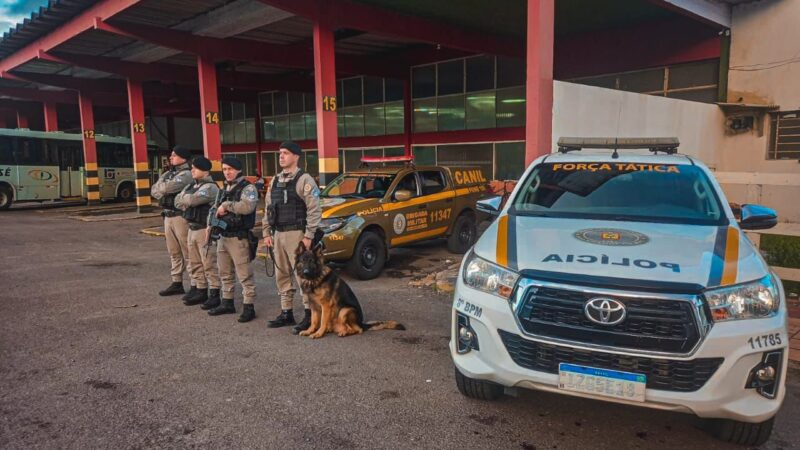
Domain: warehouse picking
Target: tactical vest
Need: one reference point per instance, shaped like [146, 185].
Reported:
[238, 225]
[198, 215]
[167, 202]
[290, 209]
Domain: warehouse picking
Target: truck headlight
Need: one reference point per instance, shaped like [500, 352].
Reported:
[333, 223]
[752, 300]
[488, 277]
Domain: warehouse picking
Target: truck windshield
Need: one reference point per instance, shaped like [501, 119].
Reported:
[661, 193]
[359, 186]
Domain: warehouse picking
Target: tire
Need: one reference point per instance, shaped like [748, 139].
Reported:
[126, 192]
[369, 257]
[477, 389]
[465, 232]
[741, 433]
[6, 197]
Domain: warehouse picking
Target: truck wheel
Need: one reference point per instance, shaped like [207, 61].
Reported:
[125, 193]
[477, 389]
[464, 234]
[6, 197]
[741, 433]
[369, 257]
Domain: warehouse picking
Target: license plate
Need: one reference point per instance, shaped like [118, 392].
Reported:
[605, 382]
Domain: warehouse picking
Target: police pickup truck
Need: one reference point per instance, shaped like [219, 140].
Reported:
[625, 277]
[368, 211]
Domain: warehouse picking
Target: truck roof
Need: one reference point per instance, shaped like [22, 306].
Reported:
[394, 170]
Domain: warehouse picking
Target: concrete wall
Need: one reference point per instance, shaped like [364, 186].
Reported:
[739, 160]
[763, 32]
[588, 111]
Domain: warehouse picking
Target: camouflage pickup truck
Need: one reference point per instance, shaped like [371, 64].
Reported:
[369, 211]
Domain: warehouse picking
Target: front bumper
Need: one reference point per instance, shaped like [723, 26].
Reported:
[722, 396]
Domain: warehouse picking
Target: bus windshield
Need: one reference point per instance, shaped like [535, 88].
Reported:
[359, 186]
[663, 193]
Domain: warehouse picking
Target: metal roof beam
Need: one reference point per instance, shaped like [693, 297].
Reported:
[179, 74]
[350, 14]
[84, 21]
[216, 48]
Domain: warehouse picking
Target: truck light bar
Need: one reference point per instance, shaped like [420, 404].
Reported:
[385, 159]
[667, 145]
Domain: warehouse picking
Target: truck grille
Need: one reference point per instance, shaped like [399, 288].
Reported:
[650, 324]
[662, 374]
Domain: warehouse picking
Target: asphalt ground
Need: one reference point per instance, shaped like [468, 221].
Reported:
[92, 357]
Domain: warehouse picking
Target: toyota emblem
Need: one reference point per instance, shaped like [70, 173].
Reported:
[605, 311]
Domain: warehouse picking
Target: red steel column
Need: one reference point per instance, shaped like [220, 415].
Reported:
[325, 94]
[22, 120]
[209, 112]
[407, 116]
[139, 141]
[539, 85]
[50, 117]
[89, 149]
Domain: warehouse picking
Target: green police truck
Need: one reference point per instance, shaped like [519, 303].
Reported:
[38, 166]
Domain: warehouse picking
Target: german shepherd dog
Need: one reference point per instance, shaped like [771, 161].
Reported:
[334, 306]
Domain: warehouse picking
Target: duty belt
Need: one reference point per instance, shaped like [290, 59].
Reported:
[290, 227]
[242, 234]
[196, 226]
[170, 213]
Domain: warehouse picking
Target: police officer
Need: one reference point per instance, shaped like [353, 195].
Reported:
[195, 201]
[176, 229]
[292, 215]
[237, 208]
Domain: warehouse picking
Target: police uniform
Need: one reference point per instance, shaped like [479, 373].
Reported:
[239, 198]
[195, 201]
[293, 202]
[176, 229]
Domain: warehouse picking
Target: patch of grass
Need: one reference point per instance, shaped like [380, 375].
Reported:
[781, 251]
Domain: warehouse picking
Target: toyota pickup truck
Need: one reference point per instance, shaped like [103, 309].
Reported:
[367, 212]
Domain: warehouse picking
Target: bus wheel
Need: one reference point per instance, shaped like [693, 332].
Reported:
[6, 197]
[125, 193]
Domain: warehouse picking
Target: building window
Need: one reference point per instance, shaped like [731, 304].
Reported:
[693, 81]
[784, 137]
[238, 123]
[367, 106]
[469, 93]
[499, 161]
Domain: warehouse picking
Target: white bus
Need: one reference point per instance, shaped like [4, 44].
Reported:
[45, 166]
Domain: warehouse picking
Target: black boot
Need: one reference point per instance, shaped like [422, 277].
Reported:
[199, 296]
[174, 289]
[225, 307]
[304, 324]
[213, 300]
[248, 313]
[192, 291]
[284, 319]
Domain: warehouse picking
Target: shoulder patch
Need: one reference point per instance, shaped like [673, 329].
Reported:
[315, 192]
[307, 188]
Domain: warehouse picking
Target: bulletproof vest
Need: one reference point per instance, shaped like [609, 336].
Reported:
[237, 222]
[198, 214]
[290, 209]
[168, 200]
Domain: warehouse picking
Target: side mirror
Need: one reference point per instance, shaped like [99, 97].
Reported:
[757, 217]
[490, 205]
[402, 195]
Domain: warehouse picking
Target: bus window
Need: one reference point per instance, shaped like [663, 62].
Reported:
[29, 153]
[7, 150]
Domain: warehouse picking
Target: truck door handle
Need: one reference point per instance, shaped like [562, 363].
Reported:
[448, 200]
[423, 206]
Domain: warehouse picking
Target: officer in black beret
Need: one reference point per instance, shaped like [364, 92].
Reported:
[292, 215]
[195, 201]
[176, 228]
[236, 206]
